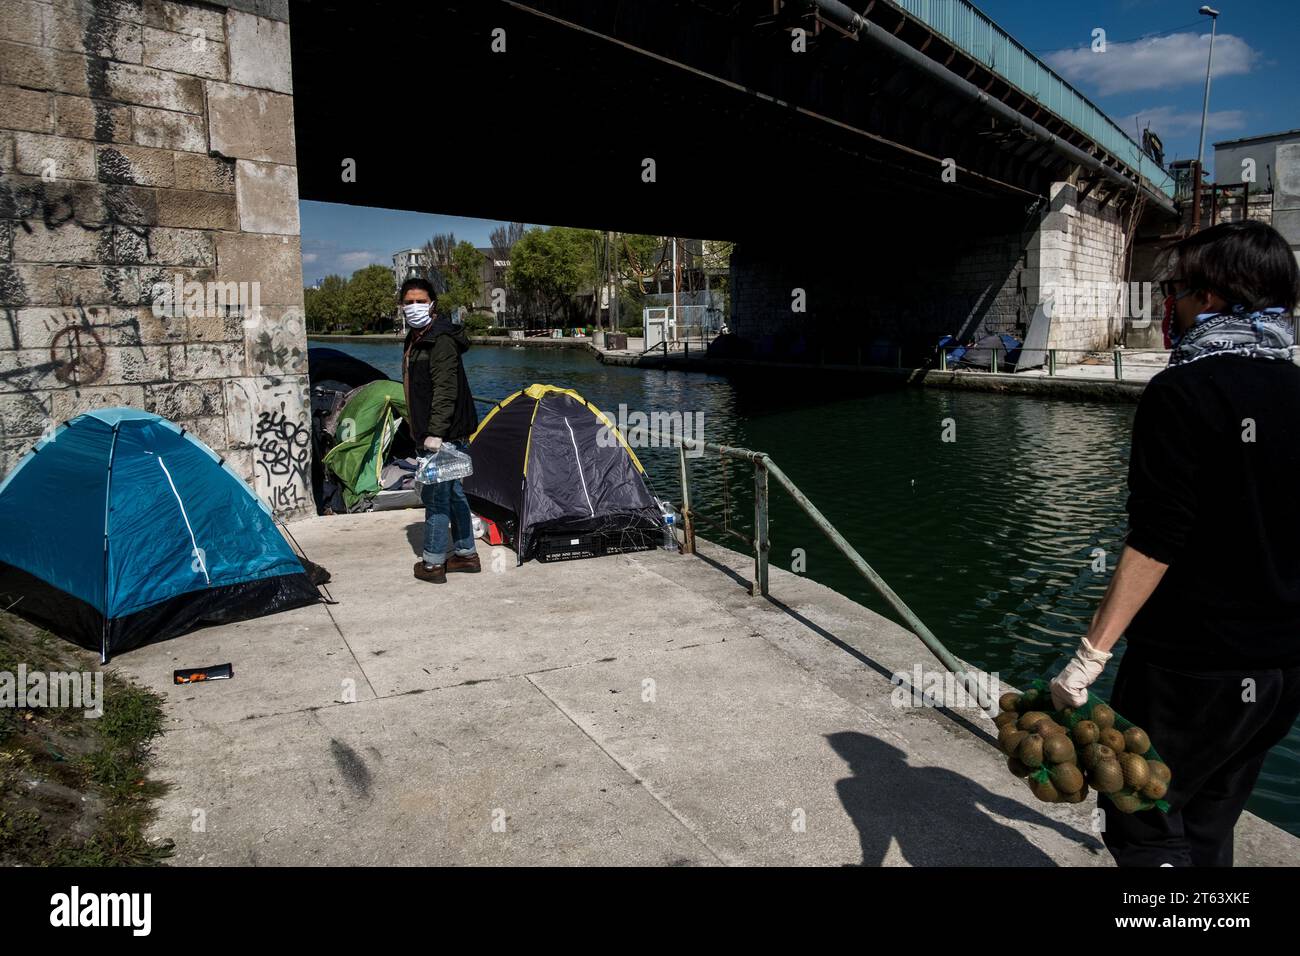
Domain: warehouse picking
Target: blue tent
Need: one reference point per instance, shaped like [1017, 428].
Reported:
[121, 528]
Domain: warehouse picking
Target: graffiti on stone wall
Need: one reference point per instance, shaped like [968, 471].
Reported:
[283, 457]
[30, 203]
[77, 352]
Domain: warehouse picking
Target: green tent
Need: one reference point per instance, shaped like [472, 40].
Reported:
[366, 427]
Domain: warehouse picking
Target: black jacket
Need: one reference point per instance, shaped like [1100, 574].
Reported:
[437, 391]
[1214, 477]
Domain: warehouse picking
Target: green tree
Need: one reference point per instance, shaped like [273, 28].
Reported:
[369, 301]
[324, 305]
[549, 266]
[463, 274]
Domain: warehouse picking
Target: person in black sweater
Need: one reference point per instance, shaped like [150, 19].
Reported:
[1207, 589]
[440, 411]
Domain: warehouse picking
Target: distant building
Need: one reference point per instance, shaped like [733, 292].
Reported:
[492, 271]
[1230, 156]
[407, 264]
[414, 264]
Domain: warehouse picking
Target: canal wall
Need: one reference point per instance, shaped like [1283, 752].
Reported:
[1036, 383]
[912, 283]
[147, 148]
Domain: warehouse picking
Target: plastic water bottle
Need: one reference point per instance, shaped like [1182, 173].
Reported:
[669, 517]
[446, 464]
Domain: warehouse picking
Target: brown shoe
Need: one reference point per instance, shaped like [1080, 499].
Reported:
[437, 573]
[467, 563]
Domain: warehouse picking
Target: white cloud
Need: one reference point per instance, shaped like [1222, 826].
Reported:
[1157, 63]
[362, 257]
[1168, 121]
[308, 258]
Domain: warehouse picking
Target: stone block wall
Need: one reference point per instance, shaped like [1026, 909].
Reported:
[1076, 259]
[145, 143]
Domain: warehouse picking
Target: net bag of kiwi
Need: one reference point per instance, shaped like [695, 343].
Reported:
[1063, 754]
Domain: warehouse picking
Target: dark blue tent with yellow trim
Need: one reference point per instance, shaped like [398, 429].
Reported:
[549, 464]
[122, 528]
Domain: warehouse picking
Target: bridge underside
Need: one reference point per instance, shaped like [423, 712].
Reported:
[747, 136]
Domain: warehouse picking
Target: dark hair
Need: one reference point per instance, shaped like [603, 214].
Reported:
[410, 284]
[1245, 263]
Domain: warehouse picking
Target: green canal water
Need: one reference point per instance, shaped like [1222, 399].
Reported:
[989, 538]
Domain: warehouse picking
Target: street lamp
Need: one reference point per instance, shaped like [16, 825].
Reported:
[1206, 11]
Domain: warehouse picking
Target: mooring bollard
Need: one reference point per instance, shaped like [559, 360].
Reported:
[1051, 361]
[1119, 365]
[993, 366]
[943, 359]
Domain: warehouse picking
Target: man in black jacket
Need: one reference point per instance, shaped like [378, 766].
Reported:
[1207, 588]
[441, 411]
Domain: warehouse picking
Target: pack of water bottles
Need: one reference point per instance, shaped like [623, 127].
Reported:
[446, 464]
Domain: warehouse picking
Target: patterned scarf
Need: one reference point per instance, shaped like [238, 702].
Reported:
[1263, 335]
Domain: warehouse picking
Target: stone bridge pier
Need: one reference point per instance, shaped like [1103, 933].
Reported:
[914, 276]
[149, 237]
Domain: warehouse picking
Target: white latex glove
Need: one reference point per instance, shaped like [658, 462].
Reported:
[1070, 687]
[432, 444]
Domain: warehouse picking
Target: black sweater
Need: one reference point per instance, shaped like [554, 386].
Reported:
[1222, 511]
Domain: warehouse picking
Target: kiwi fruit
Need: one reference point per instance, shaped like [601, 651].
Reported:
[1078, 796]
[1044, 790]
[1028, 699]
[1067, 778]
[1029, 720]
[1159, 771]
[1010, 740]
[1004, 718]
[1086, 732]
[1113, 739]
[1154, 789]
[1134, 767]
[1031, 751]
[1107, 776]
[1136, 740]
[1045, 728]
[1126, 802]
[1102, 716]
[1017, 768]
[1007, 702]
[1094, 752]
[1058, 749]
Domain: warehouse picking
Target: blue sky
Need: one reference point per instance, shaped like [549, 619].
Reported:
[1153, 71]
[343, 239]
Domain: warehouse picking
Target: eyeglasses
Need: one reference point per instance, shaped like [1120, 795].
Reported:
[1169, 287]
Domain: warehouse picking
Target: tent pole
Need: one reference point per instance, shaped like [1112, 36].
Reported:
[108, 500]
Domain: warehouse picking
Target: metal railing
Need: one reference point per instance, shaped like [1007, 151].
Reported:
[765, 468]
[997, 360]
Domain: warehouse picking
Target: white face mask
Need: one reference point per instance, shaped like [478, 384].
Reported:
[417, 314]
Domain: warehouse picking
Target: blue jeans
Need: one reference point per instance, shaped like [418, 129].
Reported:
[444, 504]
